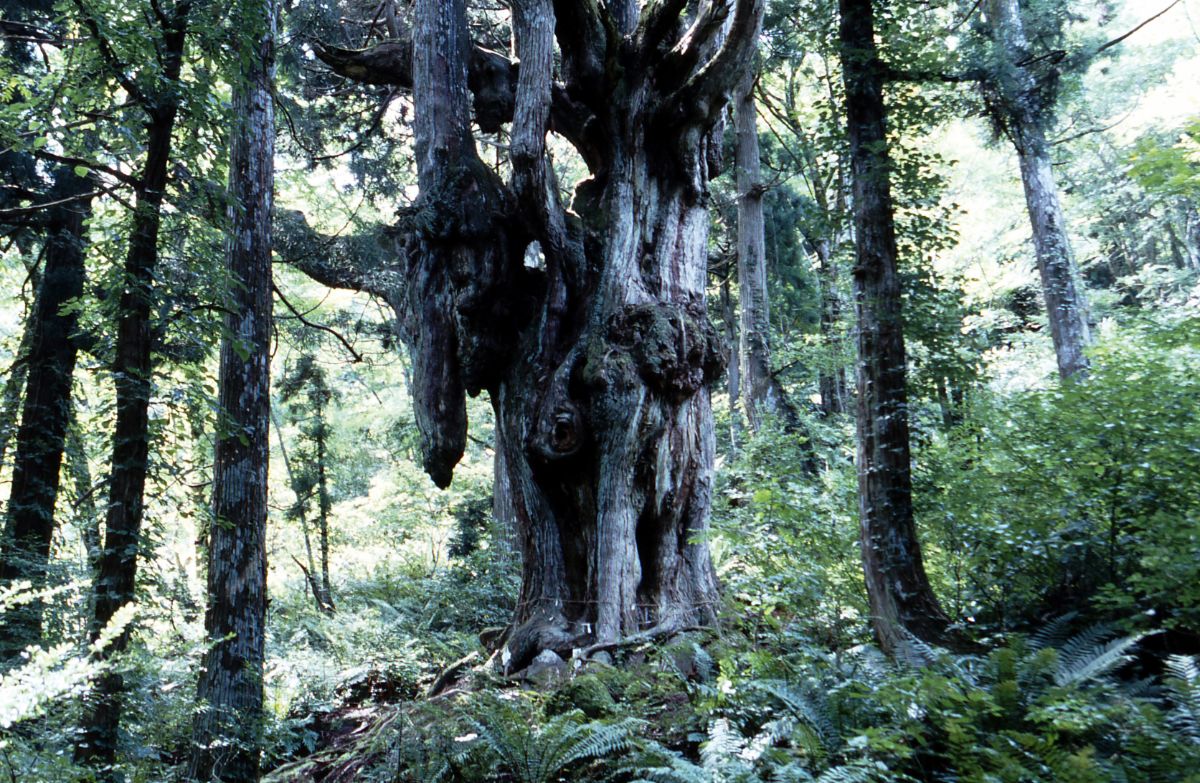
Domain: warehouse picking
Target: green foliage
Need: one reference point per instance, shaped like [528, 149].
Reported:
[1085, 494]
[1169, 166]
[532, 751]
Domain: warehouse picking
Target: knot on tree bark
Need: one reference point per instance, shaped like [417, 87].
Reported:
[560, 431]
[673, 348]
[493, 81]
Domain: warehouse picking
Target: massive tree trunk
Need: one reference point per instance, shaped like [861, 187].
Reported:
[763, 393]
[50, 364]
[598, 364]
[132, 370]
[1022, 106]
[226, 741]
[898, 589]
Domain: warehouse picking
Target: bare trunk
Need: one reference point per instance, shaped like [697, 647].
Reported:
[1192, 233]
[832, 378]
[733, 382]
[324, 507]
[226, 738]
[898, 589]
[14, 386]
[50, 363]
[1019, 105]
[132, 370]
[87, 515]
[320, 598]
[764, 394]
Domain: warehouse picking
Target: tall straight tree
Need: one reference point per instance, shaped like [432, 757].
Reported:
[762, 392]
[50, 364]
[37, 390]
[227, 731]
[1021, 91]
[599, 362]
[156, 90]
[901, 598]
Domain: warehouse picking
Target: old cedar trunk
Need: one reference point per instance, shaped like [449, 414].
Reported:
[598, 359]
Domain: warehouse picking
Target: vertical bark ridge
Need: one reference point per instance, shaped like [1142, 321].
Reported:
[901, 598]
[226, 740]
[599, 360]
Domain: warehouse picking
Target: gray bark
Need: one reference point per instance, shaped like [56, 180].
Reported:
[226, 740]
[1019, 103]
[598, 366]
[764, 395]
[734, 379]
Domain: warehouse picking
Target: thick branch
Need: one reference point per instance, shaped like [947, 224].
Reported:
[583, 39]
[354, 262]
[698, 42]
[706, 92]
[491, 77]
[659, 19]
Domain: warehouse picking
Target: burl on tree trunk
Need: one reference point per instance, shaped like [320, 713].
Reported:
[598, 362]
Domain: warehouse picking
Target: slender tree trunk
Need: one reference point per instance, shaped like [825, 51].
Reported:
[1019, 104]
[324, 507]
[50, 362]
[14, 385]
[321, 600]
[832, 378]
[1191, 232]
[729, 318]
[86, 514]
[900, 595]
[227, 735]
[764, 394]
[132, 370]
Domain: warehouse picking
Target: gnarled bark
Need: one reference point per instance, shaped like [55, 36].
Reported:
[598, 365]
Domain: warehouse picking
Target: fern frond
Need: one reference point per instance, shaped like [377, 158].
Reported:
[916, 653]
[1053, 633]
[1183, 682]
[1081, 660]
[865, 772]
[807, 705]
[584, 742]
[668, 767]
[724, 742]
[870, 662]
